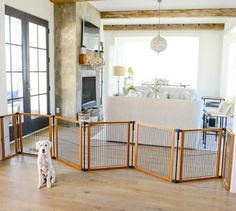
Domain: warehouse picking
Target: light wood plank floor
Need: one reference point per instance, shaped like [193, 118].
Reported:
[104, 190]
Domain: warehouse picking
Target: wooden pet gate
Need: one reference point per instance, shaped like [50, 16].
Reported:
[177, 155]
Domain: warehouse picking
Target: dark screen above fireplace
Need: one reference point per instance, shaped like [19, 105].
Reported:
[88, 92]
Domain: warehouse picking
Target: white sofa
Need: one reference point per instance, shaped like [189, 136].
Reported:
[170, 113]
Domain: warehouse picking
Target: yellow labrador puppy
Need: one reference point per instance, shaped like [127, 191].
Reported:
[46, 171]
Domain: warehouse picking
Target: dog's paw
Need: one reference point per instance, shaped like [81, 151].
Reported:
[49, 185]
[53, 180]
[39, 186]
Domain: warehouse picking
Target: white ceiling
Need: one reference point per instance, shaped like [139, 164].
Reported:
[119, 5]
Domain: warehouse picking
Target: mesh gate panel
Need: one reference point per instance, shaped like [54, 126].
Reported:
[200, 159]
[154, 150]
[8, 135]
[68, 141]
[228, 157]
[108, 145]
[34, 128]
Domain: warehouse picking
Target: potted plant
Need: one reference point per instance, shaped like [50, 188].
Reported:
[130, 71]
[129, 79]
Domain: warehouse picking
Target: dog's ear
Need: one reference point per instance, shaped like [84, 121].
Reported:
[37, 145]
[49, 144]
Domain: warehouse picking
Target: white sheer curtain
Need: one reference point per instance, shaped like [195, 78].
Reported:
[178, 63]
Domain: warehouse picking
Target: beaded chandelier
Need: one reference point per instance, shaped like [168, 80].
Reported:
[158, 43]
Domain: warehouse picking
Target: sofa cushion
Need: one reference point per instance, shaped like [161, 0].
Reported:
[180, 93]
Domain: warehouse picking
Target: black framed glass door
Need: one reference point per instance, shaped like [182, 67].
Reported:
[27, 66]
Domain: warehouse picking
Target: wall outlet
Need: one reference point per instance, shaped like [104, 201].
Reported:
[57, 110]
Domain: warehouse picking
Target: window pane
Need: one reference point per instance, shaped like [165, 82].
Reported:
[42, 60]
[16, 31]
[9, 106]
[33, 35]
[42, 83]
[34, 84]
[8, 85]
[7, 57]
[16, 58]
[33, 59]
[42, 37]
[43, 104]
[7, 29]
[18, 106]
[17, 85]
[34, 103]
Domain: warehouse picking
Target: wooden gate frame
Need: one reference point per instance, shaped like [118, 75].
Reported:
[79, 167]
[228, 183]
[15, 123]
[217, 175]
[128, 144]
[17, 117]
[171, 152]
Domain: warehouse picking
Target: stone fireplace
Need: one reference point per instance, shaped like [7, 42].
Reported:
[69, 74]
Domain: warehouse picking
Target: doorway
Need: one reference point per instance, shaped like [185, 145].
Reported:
[27, 66]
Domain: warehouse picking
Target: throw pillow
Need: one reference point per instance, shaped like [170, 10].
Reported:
[163, 95]
[174, 95]
[225, 107]
[185, 95]
[231, 111]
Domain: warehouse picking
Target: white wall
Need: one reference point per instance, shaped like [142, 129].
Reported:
[226, 80]
[3, 93]
[42, 9]
[209, 67]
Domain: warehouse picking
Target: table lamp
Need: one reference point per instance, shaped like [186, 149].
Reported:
[118, 71]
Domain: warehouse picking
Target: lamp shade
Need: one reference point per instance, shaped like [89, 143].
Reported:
[118, 70]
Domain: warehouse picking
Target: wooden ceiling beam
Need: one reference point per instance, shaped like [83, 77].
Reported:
[229, 12]
[69, 1]
[166, 27]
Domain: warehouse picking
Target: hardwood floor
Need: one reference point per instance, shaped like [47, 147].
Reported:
[104, 190]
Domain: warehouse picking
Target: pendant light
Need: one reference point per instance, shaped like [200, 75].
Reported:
[158, 43]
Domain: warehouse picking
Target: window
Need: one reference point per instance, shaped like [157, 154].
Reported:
[178, 63]
[26, 47]
[14, 67]
[38, 68]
